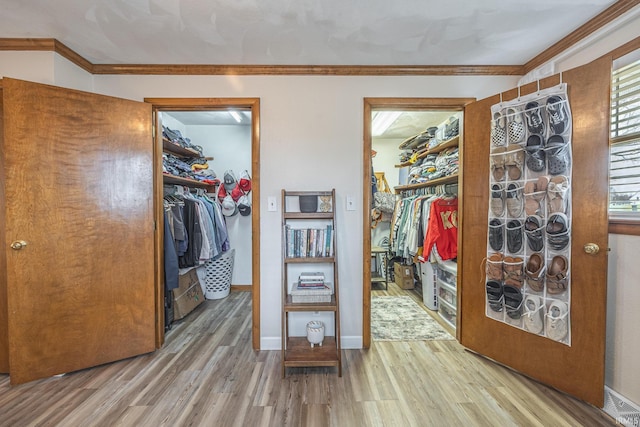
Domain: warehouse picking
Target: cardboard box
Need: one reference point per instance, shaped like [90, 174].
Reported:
[188, 295]
[403, 275]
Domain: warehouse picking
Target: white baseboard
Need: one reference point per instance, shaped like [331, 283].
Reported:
[274, 343]
[621, 409]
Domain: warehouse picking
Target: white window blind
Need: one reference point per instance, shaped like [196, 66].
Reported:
[624, 182]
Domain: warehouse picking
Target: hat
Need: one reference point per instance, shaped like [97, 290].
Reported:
[229, 207]
[244, 205]
[237, 193]
[222, 193]
[245, 181]
[229, 181]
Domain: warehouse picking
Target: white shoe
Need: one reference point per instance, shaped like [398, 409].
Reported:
[533, 314]
[556, 326]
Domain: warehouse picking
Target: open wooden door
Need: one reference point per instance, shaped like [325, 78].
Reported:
[577, 369]
[79, 240]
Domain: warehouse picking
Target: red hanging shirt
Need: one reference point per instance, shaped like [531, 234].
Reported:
[442, 229]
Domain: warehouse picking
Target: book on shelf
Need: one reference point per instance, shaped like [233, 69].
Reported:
[309, 242]
[311, 275]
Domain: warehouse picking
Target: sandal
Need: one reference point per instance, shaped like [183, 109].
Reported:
[497, 160]
[497, 199]
[512, 301]
[515, 203]
[557, 275]
[513, 161]
[533, 227]
[494, 295]
[533, 115]
[515, 126]
[557, 322]
[558, 117]
[535, 153]
[533, 314]
[498, 133]
[495, 269]
[514, 236]
[557, 155]
[557, 194]
[534, 272]
[496, 234]
[558, 231]
[513, 271]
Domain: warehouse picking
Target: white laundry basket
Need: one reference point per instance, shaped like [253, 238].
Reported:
[217, 279]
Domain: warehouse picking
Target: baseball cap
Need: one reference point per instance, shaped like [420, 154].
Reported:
[244, 205]
[229, 207]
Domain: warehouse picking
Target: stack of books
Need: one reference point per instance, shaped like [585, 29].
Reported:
[311, 287]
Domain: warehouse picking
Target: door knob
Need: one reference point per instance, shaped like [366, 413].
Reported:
[18, 244]
[591, 248]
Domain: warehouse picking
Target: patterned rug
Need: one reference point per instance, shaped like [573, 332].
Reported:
[402, 319]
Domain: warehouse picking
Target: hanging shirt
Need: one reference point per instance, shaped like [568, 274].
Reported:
[443, 229]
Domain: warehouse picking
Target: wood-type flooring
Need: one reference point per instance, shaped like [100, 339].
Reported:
[208, 375]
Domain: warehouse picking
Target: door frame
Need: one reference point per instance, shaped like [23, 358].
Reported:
[199, 104]
[406, 104]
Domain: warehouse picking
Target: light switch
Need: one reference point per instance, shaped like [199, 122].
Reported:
[351, 204]
[271, 204]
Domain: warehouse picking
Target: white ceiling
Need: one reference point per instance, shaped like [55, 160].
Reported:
[300, 32]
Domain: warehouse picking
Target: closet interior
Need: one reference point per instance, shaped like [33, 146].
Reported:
[414, 212]
[206, 186]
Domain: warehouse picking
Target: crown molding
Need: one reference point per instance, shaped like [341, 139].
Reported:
[613, 12]
[49, 44]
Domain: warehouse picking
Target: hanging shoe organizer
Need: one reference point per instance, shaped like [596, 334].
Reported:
[529, 235]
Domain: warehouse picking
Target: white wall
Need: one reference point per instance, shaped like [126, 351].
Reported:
[32, 66]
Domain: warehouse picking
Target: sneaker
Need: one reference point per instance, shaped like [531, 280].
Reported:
[557, 321]
[498, 133]
[497, 199]
[533, 314]
[533, 116]
[515, 126]
[557, 112]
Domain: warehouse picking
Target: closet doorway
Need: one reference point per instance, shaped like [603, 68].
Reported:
[204, 115]
[386, 172]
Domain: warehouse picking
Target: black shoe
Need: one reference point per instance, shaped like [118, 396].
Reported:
[512, 301]
[514, 236]
[558, 231]
[558, 118]
[496, 234]
[494, 295]
[533, 227]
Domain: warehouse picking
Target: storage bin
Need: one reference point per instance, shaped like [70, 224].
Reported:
[308, 203]
[217, 280]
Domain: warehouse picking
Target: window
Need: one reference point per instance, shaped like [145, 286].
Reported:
[624, 182]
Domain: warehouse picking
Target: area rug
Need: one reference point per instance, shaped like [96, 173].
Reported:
[402, 319]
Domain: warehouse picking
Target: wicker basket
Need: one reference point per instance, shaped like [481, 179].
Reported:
[217, 280]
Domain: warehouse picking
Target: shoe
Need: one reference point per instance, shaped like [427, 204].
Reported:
[534, 193]
[557, 194]
[496, 234]
[557, 112]
[515, 126]
[497, 199]
[533, 116]
[513, 161]
[533, 228]
[557, 155]
[533, 314]
[495, 270]
[512, 301]
[495, 297]
[514, 236]
[498, 133]
[513, 271]
[534, 272]
[557, 322]
[557, 275]
[557, 231]
[515, 202]
[535, 153]
[496, 160]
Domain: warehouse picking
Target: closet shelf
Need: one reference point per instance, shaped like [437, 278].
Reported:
[453, 142]
[178, 150]
[310, 306]
[444, 180]
[178, 180]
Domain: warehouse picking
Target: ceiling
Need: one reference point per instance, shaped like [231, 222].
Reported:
[300, 32]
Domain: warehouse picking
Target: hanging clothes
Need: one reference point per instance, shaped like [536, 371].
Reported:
[442, 230]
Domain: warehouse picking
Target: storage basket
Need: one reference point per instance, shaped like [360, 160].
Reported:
[217, 281]
[308, 203]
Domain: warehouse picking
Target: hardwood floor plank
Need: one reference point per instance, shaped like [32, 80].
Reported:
[208, 375]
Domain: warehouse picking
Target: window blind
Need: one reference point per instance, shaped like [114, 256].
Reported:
[624, 181]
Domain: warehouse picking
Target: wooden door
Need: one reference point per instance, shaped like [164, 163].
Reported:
[577, 369]
[79, 191]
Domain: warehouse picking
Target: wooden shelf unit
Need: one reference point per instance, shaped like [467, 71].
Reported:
[296, 350]
[453, 142]
[179, 151]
